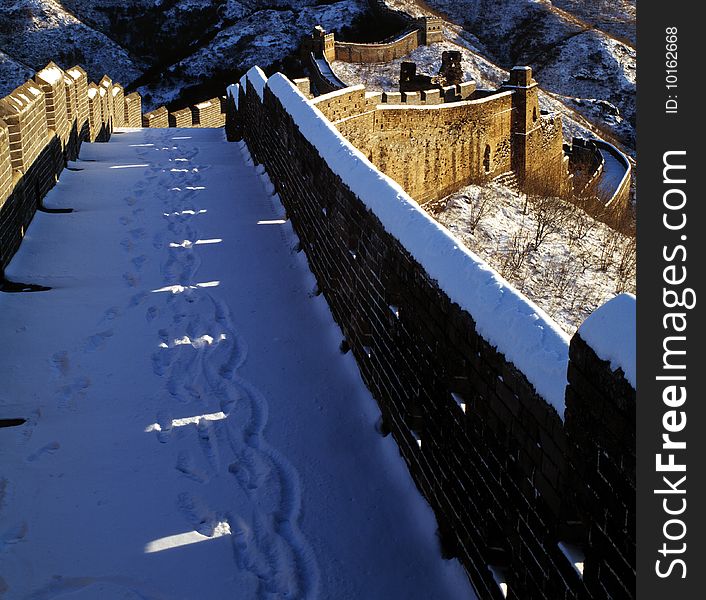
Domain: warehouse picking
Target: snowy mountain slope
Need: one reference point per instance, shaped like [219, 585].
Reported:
[35, 32]
[580, 265]
[615, 17]
[11, 71]
[263, 37]
[160, 46]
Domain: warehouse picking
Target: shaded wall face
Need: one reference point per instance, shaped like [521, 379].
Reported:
[433, 152]
[506, 478]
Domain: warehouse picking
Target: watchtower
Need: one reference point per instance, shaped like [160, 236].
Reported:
[525, 118]
[320, 44]
[433, 30]
[451, 69]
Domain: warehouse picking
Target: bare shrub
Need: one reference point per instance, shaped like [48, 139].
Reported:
[515, 255]
[479, 208]
[562, 276]
[626, 267]
[550, 214]
[610, 242]
[579, 224]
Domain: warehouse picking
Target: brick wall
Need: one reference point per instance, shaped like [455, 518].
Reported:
[5, 164]
[51, 81]
[208, 114]
[107, 102]
[42, 125]
[491, 456]
[24, 112]
[133, 110]
[432, 152]
[180, 118]
[82, 109]
[95, 120]
[378, 53]
[600, 421]
[156, 118]
[106, 112]
[432, 148]
[118, 105]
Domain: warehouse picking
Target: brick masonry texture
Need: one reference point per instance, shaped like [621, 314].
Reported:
[208, 114]
[42, 125]
[133, 110]
[118, 105]
[180, 118]
[507, 478]
[432, 151]
[156, 118]
[55, 98]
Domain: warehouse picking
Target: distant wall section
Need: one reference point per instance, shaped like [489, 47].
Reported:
[432, 149]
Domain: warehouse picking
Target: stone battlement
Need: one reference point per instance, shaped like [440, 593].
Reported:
[531, 477]
[209, 113]
[43, 123]
[434, 142]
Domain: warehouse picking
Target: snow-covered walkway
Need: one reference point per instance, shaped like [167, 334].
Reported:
[193, 432]
[612, 175]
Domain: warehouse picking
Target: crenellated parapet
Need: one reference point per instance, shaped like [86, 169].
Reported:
[435, 141]
[43, 123]
[208, 114]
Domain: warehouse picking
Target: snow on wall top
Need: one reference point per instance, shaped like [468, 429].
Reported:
[519, 329]
[257, 79]
[51, 74]
[233, 92]
[611, 330]
[337, 93]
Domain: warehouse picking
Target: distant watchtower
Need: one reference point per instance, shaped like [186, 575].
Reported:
[320, 43]
[451, 70]
[433, 30]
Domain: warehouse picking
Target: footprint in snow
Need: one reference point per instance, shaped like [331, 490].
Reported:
[198, 515]
[185, 465]
[70, 393]
[110, 315]
[127, 244]
[139, 261]
[49, 448]
[60, 363]
[97, 341]
[13, 535]
[152, 313]
[138, 298]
